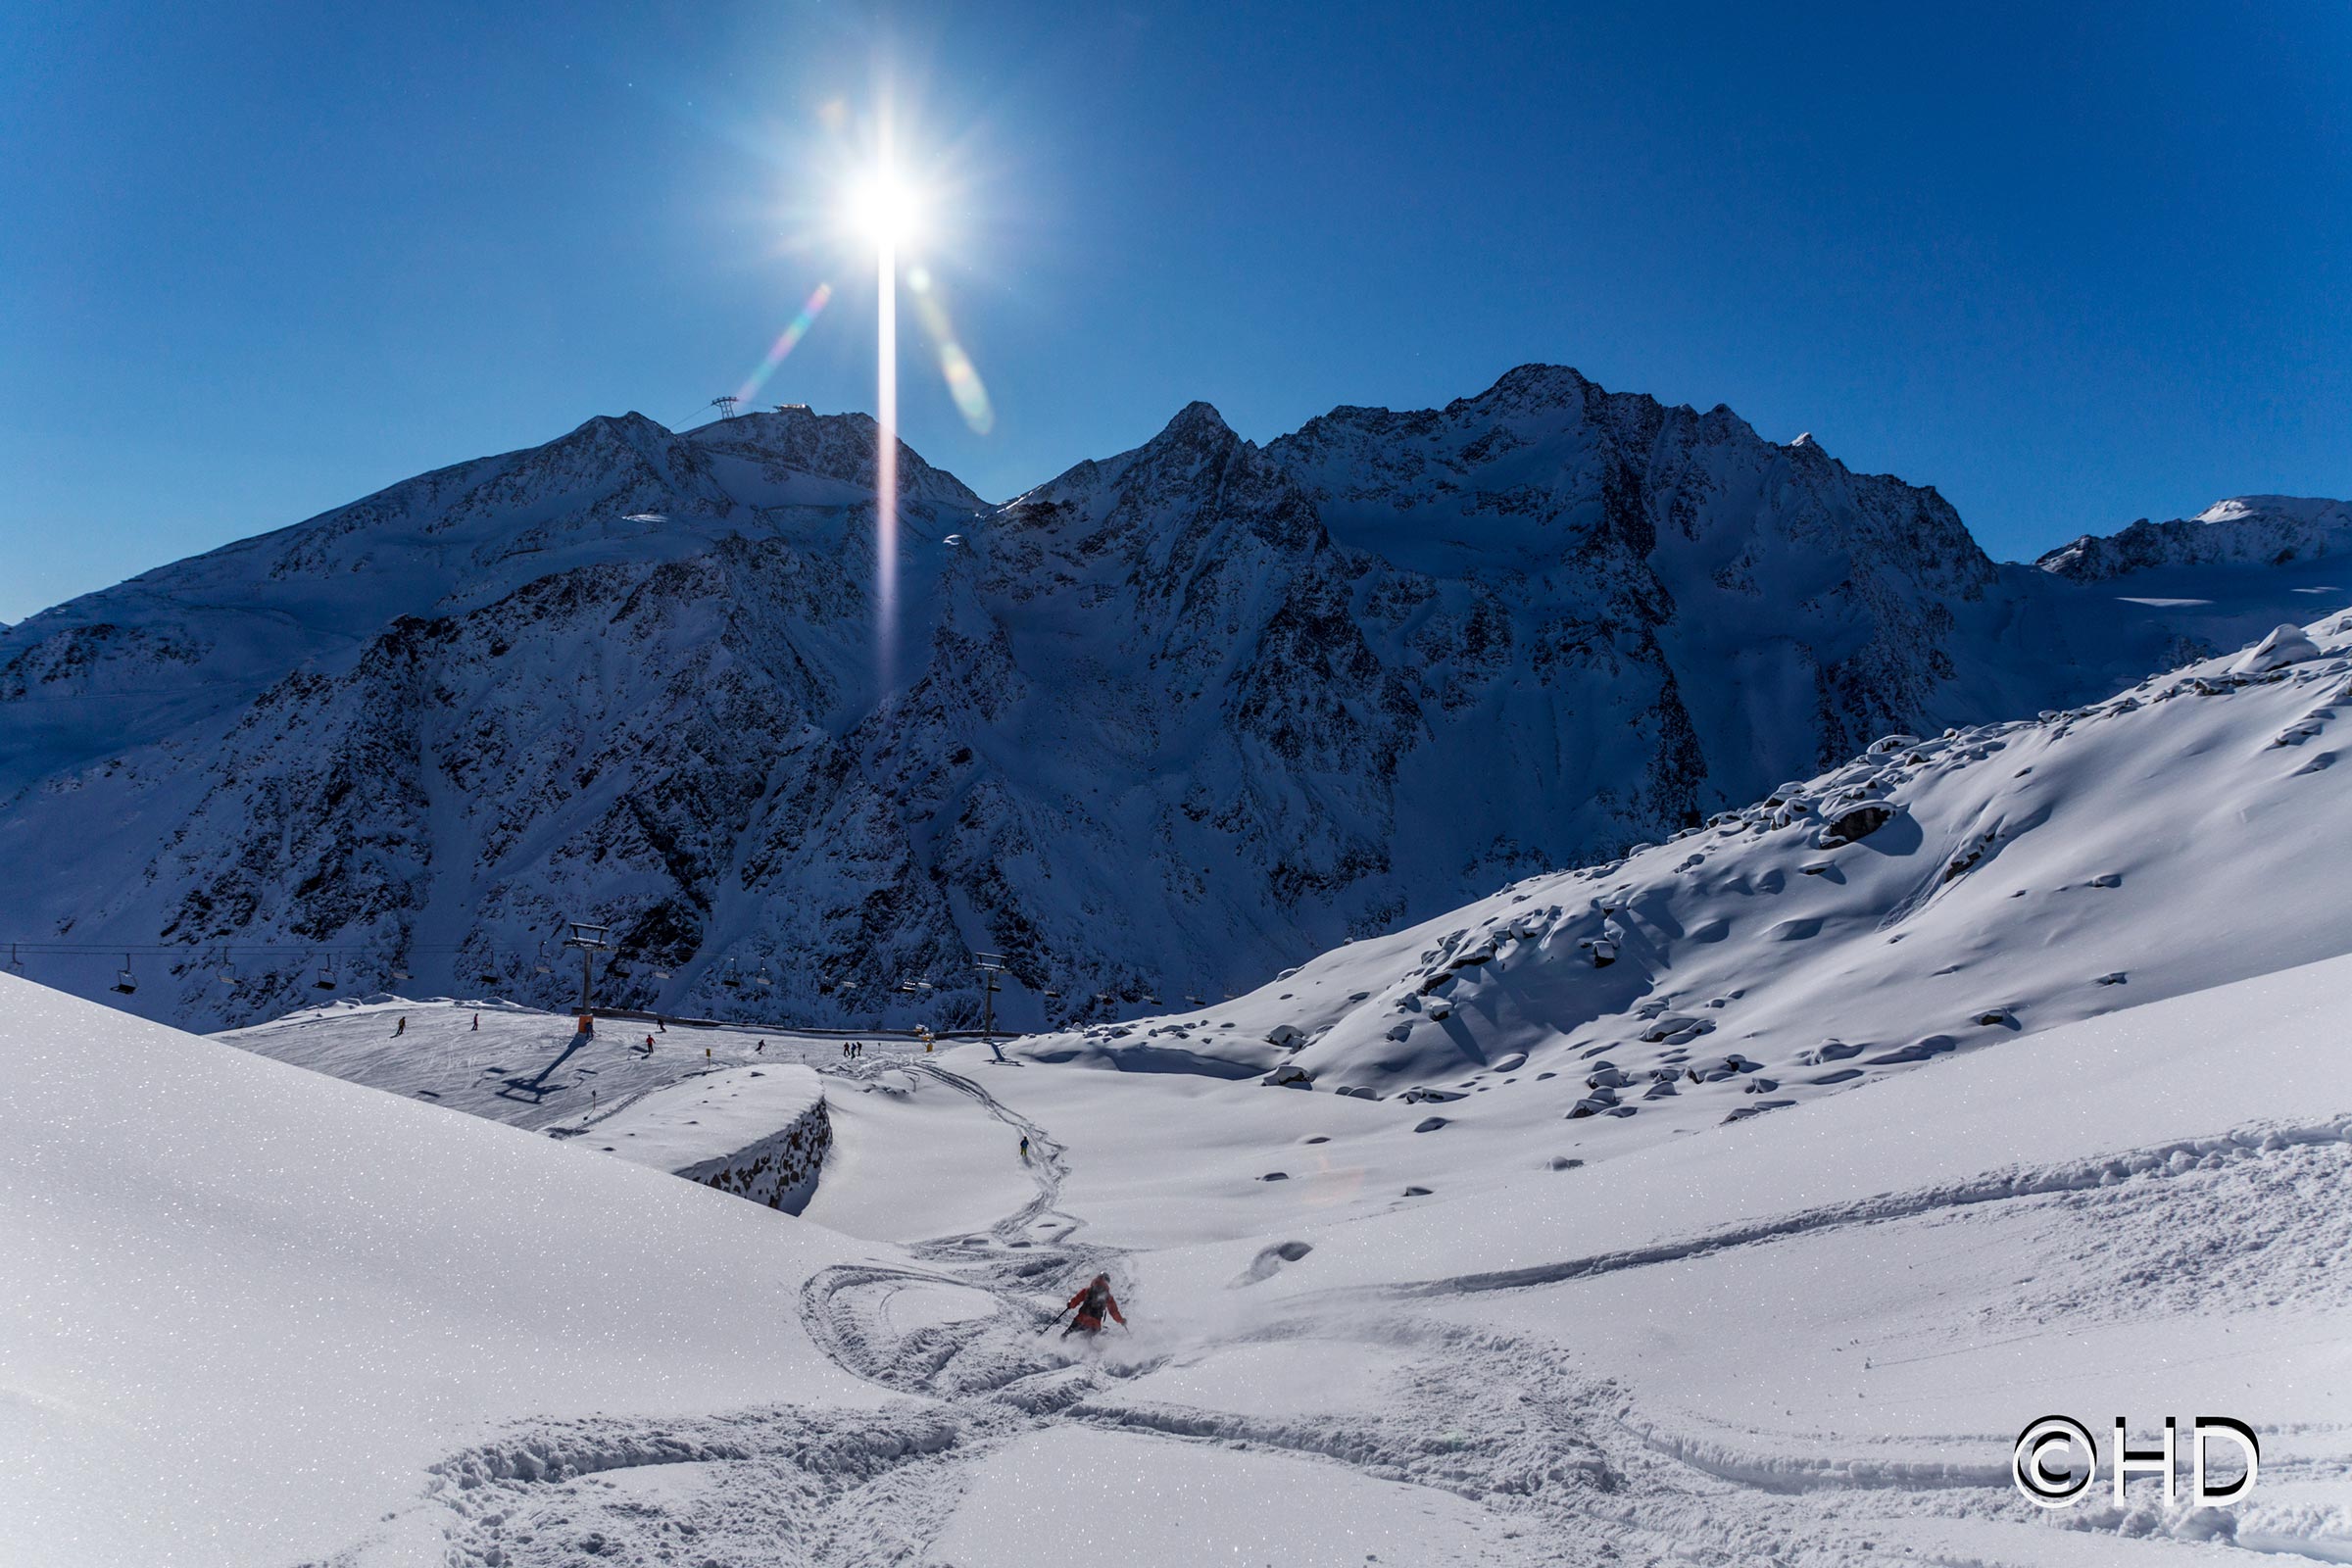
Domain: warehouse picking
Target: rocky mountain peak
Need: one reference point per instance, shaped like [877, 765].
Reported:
[1533, 386]
[2243, 530]
[1173, 719]
[839, 447]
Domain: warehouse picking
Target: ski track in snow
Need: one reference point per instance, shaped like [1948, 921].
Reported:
[1560, 1453]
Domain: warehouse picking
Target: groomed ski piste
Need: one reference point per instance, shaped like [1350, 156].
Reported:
[2009, 1075]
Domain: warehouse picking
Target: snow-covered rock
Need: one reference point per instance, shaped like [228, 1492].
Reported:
[2266, 530]
[757, 1132]
[2285, 645]
[1161, 725]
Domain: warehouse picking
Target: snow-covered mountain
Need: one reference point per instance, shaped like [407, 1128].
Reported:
[1928, 897]
[2264, 530]
[1168, 724]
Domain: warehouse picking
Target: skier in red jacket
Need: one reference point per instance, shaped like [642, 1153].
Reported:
[1092, 1302]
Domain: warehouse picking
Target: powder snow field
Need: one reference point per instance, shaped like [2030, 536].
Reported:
[1811, 1335]
[247, 1306]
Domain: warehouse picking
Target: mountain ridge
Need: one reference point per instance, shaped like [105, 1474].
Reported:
[1169, 721]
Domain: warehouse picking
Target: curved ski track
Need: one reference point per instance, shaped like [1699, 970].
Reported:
[1505, 1420]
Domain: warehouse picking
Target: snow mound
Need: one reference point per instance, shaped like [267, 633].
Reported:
[757, 1132]
[2285, 645]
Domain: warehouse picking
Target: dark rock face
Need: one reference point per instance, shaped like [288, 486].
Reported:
[1170, 722]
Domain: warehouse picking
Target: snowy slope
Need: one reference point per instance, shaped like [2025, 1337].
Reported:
[1809, 1337]
[1866, 1298]
[248, 1305]
[1161, 726]
[371, 1328]
[514, 1064]
[1933, 895]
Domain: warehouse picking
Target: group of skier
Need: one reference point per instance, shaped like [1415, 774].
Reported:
[851, 1049]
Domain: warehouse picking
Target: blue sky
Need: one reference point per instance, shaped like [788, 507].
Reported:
[2070, 264]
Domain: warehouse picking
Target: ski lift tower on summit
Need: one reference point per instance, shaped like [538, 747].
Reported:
[590, 940]
[726, 406]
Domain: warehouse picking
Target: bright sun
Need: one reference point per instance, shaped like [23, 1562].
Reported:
[883, 207]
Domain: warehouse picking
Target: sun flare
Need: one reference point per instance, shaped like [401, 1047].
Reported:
[884, 209]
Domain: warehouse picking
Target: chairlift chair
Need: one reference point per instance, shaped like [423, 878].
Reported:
[16, 966]
[124, 981]
[326, 977]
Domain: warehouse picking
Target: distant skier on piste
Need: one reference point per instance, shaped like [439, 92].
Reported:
[1092, 1302]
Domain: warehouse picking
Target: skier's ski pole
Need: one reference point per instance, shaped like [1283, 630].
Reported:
[1056, 1317]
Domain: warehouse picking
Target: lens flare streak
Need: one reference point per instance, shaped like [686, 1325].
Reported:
[886, 461]
[786, 341]
[963, 382]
